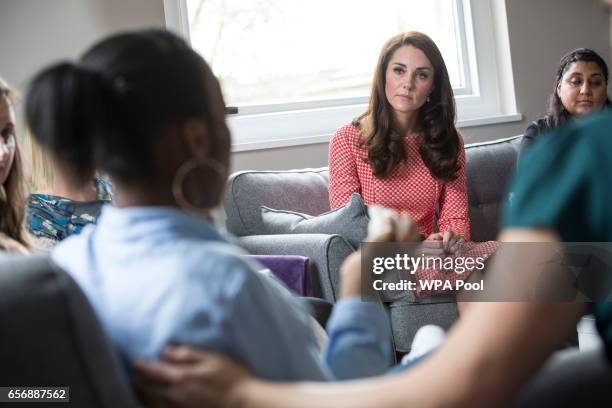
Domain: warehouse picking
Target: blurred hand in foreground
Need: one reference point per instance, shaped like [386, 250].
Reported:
[187, 377]
[402, 230]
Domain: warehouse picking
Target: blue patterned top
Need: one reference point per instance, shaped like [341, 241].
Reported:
[55, 218]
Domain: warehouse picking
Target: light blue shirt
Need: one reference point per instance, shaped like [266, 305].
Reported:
[158, 275]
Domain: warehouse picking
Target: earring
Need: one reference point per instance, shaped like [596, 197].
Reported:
[428, 99]
[198, 184]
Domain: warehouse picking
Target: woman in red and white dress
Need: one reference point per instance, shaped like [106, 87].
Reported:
[404, 152]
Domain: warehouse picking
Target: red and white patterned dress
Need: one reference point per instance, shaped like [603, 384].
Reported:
[410, 187]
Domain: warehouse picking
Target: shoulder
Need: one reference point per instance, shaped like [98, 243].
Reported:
[72, 253]
[347, 135]
[227, 278]
[217, 266]
[579, 150]
[461, 141]
[590, 134]
[536, 128]
[565, 178]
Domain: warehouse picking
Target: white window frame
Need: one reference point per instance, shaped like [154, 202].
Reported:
[487, 98]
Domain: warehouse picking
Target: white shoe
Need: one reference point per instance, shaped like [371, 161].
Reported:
[426, 339]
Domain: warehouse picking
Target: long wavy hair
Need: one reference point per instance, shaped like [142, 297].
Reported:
[12, 193]
[440, 143]
[556, 114]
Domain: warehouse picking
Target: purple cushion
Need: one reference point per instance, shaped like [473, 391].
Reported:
[291, 269]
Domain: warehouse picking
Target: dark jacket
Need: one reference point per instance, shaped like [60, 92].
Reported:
[535, 129]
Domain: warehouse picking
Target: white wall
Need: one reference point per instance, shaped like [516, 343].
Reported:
[34, 33]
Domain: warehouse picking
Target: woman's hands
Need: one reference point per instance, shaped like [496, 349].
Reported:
[188, 378]
[350, 270]
[442, 243]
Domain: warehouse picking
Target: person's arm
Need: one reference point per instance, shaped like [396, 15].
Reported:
[359, 330]
[359, 343]
[343, 176]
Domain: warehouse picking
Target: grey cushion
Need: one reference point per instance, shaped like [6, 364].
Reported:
[303, 191]
[52, 336]
[490, 166]
[349, 221]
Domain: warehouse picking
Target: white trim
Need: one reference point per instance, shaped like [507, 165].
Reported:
[492, 142]
[505, 77]
[245, 110]
[294, 125]
[274, 144]
[461, 20]
[307, 140]
[177, 18]
[490, 120]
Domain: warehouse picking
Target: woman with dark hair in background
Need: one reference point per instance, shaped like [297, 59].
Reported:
[13, 236]
[145, 108]
[580, 88]
[404, 152]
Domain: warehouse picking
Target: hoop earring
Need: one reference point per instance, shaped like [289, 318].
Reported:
[189, 168]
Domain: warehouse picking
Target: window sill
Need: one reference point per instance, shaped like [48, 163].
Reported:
[274, 143]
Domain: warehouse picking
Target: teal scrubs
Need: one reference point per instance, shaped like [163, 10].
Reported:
[565, 185]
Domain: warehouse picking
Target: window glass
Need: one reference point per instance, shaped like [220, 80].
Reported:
[284, 51]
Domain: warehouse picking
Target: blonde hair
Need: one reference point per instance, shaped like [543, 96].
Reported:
[13, 197]
[42, 174]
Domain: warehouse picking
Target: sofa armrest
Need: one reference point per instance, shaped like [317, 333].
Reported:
[326, 253]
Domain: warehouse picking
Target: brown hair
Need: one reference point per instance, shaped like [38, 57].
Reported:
[13, 201]
[440, 143]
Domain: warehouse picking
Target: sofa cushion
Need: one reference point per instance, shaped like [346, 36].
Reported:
[302, 190]
[490, 167]
[349, 221]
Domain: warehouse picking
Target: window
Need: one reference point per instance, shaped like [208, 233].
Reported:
[297, 70]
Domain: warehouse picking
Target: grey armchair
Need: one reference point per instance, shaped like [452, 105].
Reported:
[489, 167]
[52, 336]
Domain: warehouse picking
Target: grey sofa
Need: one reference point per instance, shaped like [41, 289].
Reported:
[489, 167]
[51, 337]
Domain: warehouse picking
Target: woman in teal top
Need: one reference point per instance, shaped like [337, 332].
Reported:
[565, 188]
